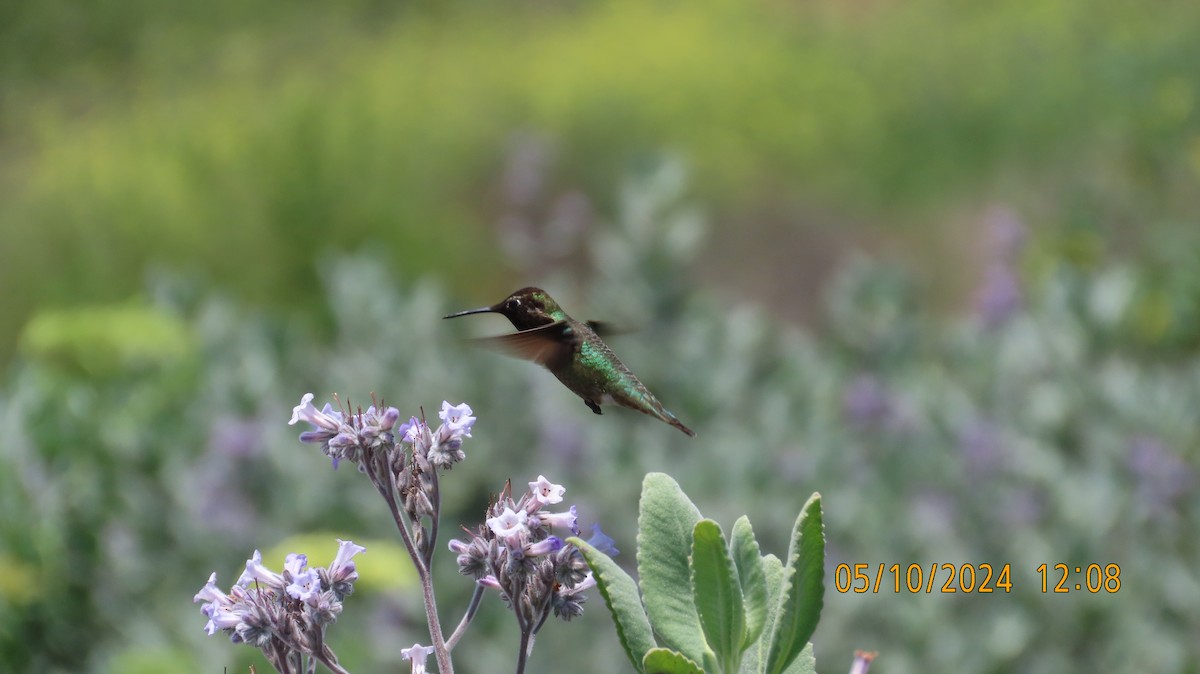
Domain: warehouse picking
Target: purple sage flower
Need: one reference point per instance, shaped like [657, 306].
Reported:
[510, 526]
[862, 662]
[346, 435]
[546, 492]
[536, 573]
[457, 417]
[567, 520]
[343, 569]
[262, 609]
[543, 547]
[306, 587]
[326, 420]
[603, 542]
[219, 607]
[417, 656]
[255, 571]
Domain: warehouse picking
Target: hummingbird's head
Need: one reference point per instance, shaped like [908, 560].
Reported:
[525, 309]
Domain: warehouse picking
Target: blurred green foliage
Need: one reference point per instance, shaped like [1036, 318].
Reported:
[106, 341]
[1047, 434]
[388, 568]
[150, 133]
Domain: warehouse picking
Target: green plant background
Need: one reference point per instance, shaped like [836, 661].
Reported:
[207, 213]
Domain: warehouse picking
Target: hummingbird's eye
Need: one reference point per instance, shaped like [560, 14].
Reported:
[512, 303]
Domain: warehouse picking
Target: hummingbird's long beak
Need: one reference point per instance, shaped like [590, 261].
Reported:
[468, 312]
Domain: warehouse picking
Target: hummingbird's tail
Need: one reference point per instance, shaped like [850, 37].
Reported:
[679, 424]
[665, 416]
[642, 400]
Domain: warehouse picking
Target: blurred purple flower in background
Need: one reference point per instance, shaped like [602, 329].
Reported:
[236, 437]
[526, 163]
[235, 445]
[1022, 507]
[866, 403]
[538, 222]
[999, 296]
[935, 512]
[1006, 234]
[982, 447]
[1162, 475]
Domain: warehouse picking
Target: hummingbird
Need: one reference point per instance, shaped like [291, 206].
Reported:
[573, 351]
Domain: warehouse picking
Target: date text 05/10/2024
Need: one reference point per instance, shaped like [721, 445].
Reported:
[947, 578]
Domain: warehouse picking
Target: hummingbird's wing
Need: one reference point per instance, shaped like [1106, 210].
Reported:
[545, 345]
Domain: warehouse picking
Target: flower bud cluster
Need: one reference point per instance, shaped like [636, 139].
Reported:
[443, 447]
[515, 553]
[401, 463]
[430, 450]
[355, 437]
[284, 614]
[344, 435]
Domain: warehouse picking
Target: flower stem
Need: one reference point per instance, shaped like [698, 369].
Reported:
[523, 654]
[435, 628]
[389, 492]
[472, 608]
[331, 664]
[436, 500]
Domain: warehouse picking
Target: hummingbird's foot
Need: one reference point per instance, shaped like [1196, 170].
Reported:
[594, 406]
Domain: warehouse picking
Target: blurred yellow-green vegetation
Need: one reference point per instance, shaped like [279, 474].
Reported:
[207, 210]
[148, 133]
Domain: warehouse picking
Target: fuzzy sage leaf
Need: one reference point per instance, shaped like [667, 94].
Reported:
[717, 594]
[667, 661]
[621, 595]
[748, 559]
[666, 518]
[802, 593]
[805, 663]
[773, 579]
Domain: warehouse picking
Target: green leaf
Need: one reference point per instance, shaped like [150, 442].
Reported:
[667, 661]
[748, 558]
[621, 595]
[773, 577]
[803, 589]
[805, 663]
[665, 521]
[710, 661]
[717, 594]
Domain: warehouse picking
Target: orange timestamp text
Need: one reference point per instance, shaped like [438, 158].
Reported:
[915, 578]
[983, 578]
